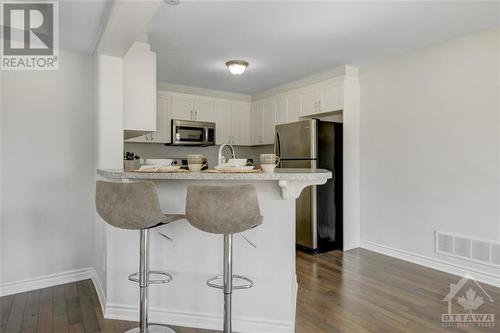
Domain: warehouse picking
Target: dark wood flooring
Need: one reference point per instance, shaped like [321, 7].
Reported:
[356, 291]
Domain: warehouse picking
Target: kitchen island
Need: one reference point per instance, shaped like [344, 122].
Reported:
[194, 256]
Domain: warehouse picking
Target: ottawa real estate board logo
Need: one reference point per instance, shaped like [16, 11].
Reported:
[30, 35]
[471, 297]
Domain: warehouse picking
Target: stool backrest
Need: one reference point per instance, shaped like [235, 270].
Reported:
[131, 205]
[223, 209]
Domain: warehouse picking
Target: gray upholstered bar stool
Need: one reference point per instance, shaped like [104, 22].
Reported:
[135, 206]
[224, 210]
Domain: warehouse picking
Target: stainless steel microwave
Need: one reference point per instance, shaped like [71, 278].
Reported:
[192, 133]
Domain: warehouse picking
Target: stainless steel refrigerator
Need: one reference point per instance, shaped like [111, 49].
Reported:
[315, 144]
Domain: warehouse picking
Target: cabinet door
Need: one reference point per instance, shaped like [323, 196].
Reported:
[293, 107]
[308, 100]
[240, 123]
[203, 110]
[163, 117]
[139, 88]
[331, 97]
[281, 110]
[223, 123]
[182, 108]
[269, 120]
[257, 122]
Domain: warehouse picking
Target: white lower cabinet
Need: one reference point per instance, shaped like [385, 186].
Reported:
[232, 121]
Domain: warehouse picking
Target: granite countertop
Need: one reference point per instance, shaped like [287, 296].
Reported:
[279, 174]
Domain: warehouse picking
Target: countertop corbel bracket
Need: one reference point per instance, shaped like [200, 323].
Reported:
[291, 189]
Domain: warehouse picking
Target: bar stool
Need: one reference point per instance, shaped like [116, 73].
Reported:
[224, 210]
[135, 206]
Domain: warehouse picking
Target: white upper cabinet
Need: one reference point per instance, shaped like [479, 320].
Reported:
[182, 107]
[269, 121]
[293, 107]
[223, 123]
[139, 90]
[188, 107]
[263, 121]
[281, 110]
[308, 100]
[163, 117]
[257, 122]
[240, 123]
[330, 96]
[163, 120]
[203, 110]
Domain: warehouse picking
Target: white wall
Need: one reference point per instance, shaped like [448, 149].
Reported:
[430, 147]
[47, 171]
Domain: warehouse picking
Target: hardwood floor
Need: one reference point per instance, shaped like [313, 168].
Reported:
[356, 291]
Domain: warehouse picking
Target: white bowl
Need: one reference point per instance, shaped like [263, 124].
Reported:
[237, 162]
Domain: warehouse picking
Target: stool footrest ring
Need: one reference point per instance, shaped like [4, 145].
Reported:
[248, 285]
[164, 277]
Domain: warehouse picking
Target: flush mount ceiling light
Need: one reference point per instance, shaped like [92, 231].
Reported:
[172, 2]
[237, 67]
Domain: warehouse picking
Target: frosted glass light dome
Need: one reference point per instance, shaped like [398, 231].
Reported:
[237, 67]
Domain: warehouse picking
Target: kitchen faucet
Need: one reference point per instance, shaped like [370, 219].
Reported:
[220, 151]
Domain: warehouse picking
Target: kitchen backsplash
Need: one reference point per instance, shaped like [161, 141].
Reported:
[158, 150]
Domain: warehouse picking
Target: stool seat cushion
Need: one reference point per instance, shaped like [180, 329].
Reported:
[130, 205]
[223, 209]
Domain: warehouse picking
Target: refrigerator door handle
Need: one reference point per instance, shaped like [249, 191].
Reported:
[277, 147]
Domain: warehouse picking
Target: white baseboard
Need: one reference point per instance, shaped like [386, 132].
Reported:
[197, 320]
[100, 291]
[45, 281]
[440, 265]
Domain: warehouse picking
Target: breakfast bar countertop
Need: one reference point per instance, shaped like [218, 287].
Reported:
[279, 174]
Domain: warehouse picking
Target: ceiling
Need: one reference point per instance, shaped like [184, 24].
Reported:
[285, 41]
[81, 24]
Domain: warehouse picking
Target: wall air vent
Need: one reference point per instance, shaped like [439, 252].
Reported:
[468, 248]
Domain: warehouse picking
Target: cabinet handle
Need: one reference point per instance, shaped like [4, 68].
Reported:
[319, 106]
[233, 139]
[196, 115]
[152, 137]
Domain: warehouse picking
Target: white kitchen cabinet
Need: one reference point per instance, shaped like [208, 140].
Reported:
[281, 110]
[182, 107]
[257, 122]
[308, 100]
[139, 90]
[223, 123]
[240, 123]
[187, 107]
[232, 123]
[263, 121]
[163, 126]
[330, 96]
[269, 121]
[163, 117]
[293, 107]
[203, 110]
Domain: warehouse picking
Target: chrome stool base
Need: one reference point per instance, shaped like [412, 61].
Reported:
[153, 329]
[164, 277]
[248, 285]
